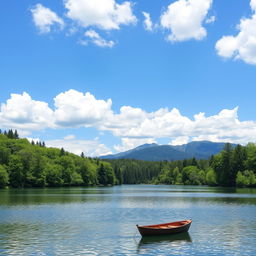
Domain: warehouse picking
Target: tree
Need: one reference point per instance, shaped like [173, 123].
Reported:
[53, 175]
[4, 177]
[16, 135]
[105, 174]
[237, 163]
[223, 166]
[5, 154]
[102, 175]
[245, 179]
[16, 173]
[211, 177]
[191, 176]
[10, 134]
[194, 162]
[62, 152]
[118, 174]
[76, 179]
[84, 172]
[250, 163]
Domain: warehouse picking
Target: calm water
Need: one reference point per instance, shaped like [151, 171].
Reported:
[101, 221]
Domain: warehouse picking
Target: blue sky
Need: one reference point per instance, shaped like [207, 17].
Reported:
[98, 79]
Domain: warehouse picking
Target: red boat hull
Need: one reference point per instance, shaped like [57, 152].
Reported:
[165, 228]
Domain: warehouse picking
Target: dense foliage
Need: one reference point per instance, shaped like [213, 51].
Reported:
[130, 171]
[25, 164]
[233, 166]
[30, 164]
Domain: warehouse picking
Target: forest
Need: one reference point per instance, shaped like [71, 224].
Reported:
[32, 164]
[233, 166]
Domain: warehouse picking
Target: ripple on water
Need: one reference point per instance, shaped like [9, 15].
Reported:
[101, 221]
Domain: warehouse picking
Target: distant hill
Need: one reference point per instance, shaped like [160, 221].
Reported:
[155, 152]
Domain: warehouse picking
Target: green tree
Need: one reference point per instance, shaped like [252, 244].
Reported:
[76, 179]
[246, 179]
[102, 175]
[5, 154]
[10, 134]
[16, 135]
[62, 152]
[16, 172]
[237, 163]
[4, 177]
[250, 163]
[105, 174]
[53, 174]
[211, 177]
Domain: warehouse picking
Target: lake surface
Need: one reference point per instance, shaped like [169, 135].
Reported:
[101, 221]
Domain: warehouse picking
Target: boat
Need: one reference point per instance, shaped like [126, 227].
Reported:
[165, 228]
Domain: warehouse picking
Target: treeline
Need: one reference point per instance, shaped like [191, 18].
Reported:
[130, 171]
[32, 164]
[25, 164]
[233, 166]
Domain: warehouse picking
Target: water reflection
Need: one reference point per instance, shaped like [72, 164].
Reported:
[185, 237]
[173, 240]
[129, 194]
[101, 221]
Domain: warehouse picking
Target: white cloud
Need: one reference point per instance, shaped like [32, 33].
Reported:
[74, 108]
[104, 14]
[130, 143]
[184, 18]
[136, 123]
[179, 140]
[69, 137]
[23, 113]
[147, 21]
[44, 18]
[88, 147]
[96, 39]
[33, 139]
[134, 126]
[253, 5]
[243, 45]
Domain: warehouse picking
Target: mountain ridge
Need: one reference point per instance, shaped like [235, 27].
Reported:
[154, 152]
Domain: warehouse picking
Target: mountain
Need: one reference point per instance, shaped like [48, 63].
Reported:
[155, 152]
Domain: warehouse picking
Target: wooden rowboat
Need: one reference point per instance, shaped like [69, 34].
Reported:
[165, 228]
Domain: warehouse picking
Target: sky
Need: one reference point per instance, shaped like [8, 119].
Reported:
[105, 76]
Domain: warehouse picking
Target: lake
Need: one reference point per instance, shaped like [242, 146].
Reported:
[101, 220]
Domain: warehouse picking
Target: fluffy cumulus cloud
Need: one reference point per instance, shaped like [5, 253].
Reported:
[130, 143]
[243, 45]
[104, 14]
[136, 123]
[134, 126]
[24, 113]
[180, 140]
[44, 18]
[148, 25]
[96, 39]
[185, 18]
[75, 108]
[77, 146]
